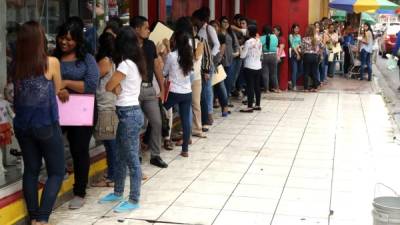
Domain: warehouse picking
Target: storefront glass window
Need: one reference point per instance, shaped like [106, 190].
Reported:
[51, 14]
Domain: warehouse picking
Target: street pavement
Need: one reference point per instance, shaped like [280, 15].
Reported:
[306, 158]
[389, 83]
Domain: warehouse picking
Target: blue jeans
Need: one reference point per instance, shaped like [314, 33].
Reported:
[332, 65]
[185, 108]
[110, 146]
[321, 69]
[365, 62]
[131, 120]
[222, 94]
[236, 69]
[37, 143]
[296, 69]
[241, 80]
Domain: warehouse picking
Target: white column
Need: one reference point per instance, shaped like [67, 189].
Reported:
[212, 9]
[3, 65]
[143, 8]
[237, 6]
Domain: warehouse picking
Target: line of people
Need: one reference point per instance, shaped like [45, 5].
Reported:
[125, 75]
[332, 39]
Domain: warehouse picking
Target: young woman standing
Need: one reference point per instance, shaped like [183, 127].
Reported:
[321, 65]
[80, 75]
[367, 43]
[106, 106]
[270, 44]
[231, 51]
[126, 84]
[178, 68]
[251, 53]
[348, 43]
[220, 91]
[37, 80]
[312, 50]
[331, 39]
[281, 54]
[295, 54]
[202, 62]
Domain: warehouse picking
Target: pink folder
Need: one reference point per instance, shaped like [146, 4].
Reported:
[78, 111]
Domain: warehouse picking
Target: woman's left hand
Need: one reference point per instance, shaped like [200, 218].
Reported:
[63, 95]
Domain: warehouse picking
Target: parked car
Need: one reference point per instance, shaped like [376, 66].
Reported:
[388, 39]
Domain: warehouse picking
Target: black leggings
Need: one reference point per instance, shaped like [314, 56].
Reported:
[253, 83]
[311, 62]
[79, 140]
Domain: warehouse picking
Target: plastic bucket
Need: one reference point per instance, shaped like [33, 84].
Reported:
[386, 210]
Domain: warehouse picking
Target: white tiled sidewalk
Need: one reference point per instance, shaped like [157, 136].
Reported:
[303, 157]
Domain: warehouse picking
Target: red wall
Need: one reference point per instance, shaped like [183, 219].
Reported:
[133, 8]
[259, 10]
[285, 13]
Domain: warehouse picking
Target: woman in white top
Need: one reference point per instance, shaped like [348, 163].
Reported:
[184, 24]
[178, 69]
[125, 83]
[367, 44]
[251, 53]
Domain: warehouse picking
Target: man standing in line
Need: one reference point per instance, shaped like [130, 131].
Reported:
[149, 101]
[200, 19]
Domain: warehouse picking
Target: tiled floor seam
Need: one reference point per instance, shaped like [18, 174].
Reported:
[202, 170]
[333, 161]
[255, 157]
[366, 124]
[294, 159]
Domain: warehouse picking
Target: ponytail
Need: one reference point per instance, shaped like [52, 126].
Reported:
[185, 52]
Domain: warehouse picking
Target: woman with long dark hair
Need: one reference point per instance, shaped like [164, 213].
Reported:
[37, 80]
[270, 44]
[178, 68]
[366, 47]
[220, 91]
[281, 54]
[105, 128]
[295, 54]
[331, 40]
[80, 76]
[202, 64]
[231, 51]
[322, 73]
[126, 83]
[251, 53]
